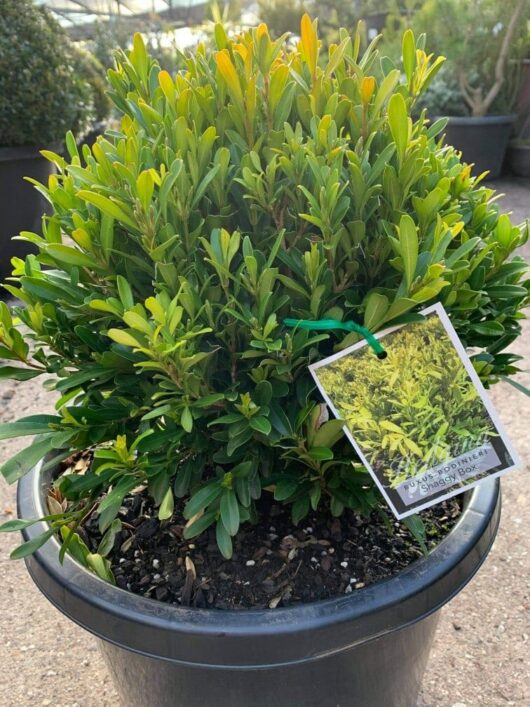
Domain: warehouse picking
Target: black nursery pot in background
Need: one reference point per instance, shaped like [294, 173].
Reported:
[89, 138]
[365, 649]
[483, 141]
[21, 205]
[518, 159]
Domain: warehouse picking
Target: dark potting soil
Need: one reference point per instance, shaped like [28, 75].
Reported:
[273, 564]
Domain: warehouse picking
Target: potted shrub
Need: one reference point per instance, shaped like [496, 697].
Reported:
[480, 42]
[191, 465]
[41, 97]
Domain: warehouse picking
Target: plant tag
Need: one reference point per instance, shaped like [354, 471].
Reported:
[420, 419]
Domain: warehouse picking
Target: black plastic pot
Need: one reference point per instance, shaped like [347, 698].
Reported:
[518, 159]
[21, 205]
[365, 649]
[92, 135]
[483, 141]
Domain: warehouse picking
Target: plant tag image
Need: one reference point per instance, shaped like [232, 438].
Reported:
[419, 419]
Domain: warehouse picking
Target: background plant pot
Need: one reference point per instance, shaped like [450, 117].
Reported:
[21, 205]
[518, 159]
[365, 649]
[483, 141]
[90, 137]
[523, 101]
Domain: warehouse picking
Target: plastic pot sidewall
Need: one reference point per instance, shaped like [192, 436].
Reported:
[21, 205]
[89, 138]
[367, 648]
[482, 141]
[518, 160]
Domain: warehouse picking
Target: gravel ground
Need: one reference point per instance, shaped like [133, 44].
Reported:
[481, 655]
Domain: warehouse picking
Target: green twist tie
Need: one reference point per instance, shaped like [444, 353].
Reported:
[327, 324]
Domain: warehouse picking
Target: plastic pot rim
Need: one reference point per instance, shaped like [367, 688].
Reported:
[251, 638]
[514, 145]
[480, 121]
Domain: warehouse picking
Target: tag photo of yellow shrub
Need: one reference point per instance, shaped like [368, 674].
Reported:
[419, 419]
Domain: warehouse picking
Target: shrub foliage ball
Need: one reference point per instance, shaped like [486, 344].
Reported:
[266, 180]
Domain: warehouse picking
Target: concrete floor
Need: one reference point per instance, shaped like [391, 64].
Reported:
[481, 655]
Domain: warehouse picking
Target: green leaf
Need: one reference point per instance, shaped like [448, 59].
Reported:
[409, 54]
[507, 291]
[408, 239]
[229, 508]
[75, 545]
[261, 424]
[224, 541]
[201, 189]
[376, 307]
[300, 509]
[230, 76]
[29, 547]
[70, 256]
[120, 336]
[106, 235]
[167, 506]
[398, 121]
[202, 499]
[329, 433]
[416, 527]
[518, 386]
[110, 505]
[22, 462]
[16, 524]
[73, 380]
[284, 489]
[125, 292]
[385, 89]
[227, 419]
[101, 567]
[106, 206]
[263, 393]
[71, 145]
[337, 57]
[336, 507]
[19, 374]
[461, 251]
[316, 493]
[293, 285]
[31, 425]
[107, 541]
[279, 420]
[145, 187]
[136, 321]
[199, 525]
[238, 441]
[186, 420]
[242, 487]
[320, 453]
[50, 291]
[488, 328]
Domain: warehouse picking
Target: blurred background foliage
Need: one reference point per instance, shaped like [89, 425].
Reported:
[44, 84]
[469, 33]
[68, 46]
